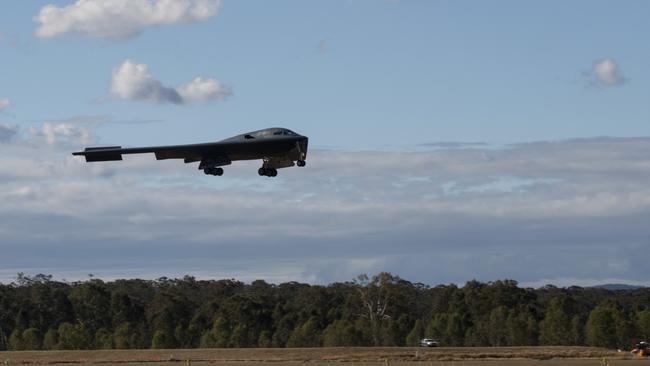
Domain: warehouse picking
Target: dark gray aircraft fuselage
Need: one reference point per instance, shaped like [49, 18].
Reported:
[276, 147]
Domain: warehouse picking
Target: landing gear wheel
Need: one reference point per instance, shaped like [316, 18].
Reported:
[269, 172]
[213, 171]
[301, 163]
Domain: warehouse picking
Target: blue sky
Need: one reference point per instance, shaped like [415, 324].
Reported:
[373, 84]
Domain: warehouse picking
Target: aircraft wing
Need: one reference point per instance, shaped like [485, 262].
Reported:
[189, 153]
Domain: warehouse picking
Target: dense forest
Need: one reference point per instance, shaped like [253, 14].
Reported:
[383, 310]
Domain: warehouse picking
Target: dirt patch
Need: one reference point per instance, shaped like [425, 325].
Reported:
[512, 356]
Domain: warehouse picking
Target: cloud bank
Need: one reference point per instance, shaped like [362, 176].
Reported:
[119, 18]
[133, 81]
[533, 212]
[61, 133]
[7, 132]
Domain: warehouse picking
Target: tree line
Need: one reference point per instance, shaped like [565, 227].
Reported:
[383, 310]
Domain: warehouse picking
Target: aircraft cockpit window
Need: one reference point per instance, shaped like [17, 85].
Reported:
[290, 133]
[277, 133]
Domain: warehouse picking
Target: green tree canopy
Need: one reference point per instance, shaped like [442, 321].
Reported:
[555, 328]
[381, 310]
[416, 334]
[601, 328]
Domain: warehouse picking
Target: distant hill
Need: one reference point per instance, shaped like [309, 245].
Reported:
[618, 286]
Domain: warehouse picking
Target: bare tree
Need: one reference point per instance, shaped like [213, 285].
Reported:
[375, 301]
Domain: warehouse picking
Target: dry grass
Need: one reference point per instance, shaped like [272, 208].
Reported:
[512, 356]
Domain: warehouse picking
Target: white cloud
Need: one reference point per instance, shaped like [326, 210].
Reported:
[606, 72]
[7, 132]
[4, 103]
[133, 81]
[61, 133]
[202, 89]
[119, 18]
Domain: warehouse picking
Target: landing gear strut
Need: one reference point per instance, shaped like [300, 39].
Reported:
[269, 172]
[213, 171]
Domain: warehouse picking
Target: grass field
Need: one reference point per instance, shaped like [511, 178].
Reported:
[515, 356]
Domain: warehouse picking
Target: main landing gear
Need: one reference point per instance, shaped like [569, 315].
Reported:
[269, 172]
[272, 172]
[213, 171]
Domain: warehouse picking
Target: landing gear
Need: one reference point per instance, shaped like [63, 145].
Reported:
[269, 172]
[213, 171]
[301, 163]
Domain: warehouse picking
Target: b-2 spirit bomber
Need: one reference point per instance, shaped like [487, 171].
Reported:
[276, 147]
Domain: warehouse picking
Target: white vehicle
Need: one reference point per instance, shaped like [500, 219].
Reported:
[426, 342]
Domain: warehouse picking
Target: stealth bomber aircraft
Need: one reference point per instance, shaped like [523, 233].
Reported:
[276, 147]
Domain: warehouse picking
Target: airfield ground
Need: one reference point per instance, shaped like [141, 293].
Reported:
[515, 356]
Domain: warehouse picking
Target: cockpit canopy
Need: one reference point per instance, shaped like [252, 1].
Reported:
[272, 132]
[269, 132]
[284, 132]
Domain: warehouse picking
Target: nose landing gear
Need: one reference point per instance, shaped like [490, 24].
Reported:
[301, 163]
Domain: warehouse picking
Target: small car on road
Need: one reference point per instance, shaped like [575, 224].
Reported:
[426, 342]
